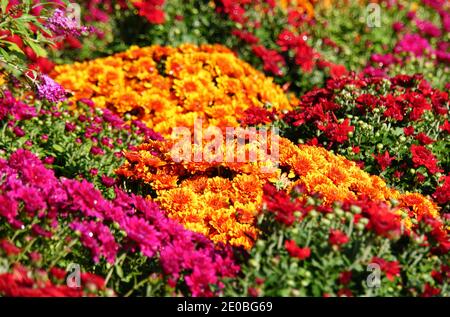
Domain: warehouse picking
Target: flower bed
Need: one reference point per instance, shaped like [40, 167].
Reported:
[158, 158]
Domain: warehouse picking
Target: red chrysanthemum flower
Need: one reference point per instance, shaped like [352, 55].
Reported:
[304, 57]
[384, 160]
[382, 220]
[445, 127]
[295, 251]
[424, 139]
[337, 70]
[256, 115]
[337, 132]
[287, 40]
[9, 248]
[442, 193]
[246, 36]
[390, 268]
[337, 237]
[280, 204]
[408, 131]
[421, 156]
[430, 291]
[345, 277]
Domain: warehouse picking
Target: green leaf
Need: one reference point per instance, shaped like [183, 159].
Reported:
[58, 148]
[119, 271]
[12, 46]
[4, 4]
[36, 48]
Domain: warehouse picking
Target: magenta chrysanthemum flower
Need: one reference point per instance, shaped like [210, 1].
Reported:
[48, 89]
[62, 25]
[412, 43]
[97, 238]
[428, 28]
[11, 106]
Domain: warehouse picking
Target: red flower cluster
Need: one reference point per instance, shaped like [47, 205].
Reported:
[390, 268]
[295, 251]
[293, 51]
[151, 10]
[337, 132]
[424, 139]
[256, 115]
[445, 127]
[22, 282]
[9, 248]
[384, 160]
[382, 220]
[246, 36]
[442, 193]
[273, 61]
[421, 156]
[304, 54]
[281, 205]
[38, 63]
[234, 9]
[337, 237]
[439, 235]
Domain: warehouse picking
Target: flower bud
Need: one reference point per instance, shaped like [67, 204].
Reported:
[360, 226]
[364, 221]
[355, 209]
[326, 222]
[339, 212]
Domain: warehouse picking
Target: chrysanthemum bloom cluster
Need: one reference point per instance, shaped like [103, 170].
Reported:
[18, 110]
[338, 179]
[172, 87]
[100, 10]
[224, 206]
[32, 196]
[397, 126]
[219, 199]
[418, 37]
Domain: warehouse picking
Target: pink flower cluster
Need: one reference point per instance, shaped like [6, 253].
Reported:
[416, 39]
[62, 25]
[9, 106]
[49, 90]
[182, 254]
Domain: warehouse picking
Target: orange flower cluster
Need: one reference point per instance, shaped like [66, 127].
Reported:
[221, 200]
[218, 199]
[171, 87]
[338, 179]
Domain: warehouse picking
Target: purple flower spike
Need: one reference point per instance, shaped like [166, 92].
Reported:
[62, 25]
[48, 89]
